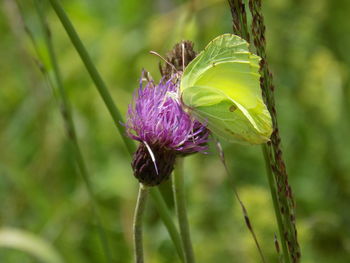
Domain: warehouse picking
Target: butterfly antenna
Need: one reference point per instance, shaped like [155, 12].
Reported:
[183, 56]
[166, 61]
[244, 210]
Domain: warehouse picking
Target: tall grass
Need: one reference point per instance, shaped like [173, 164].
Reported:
[113, 110]
[281, 191]
[70, 127]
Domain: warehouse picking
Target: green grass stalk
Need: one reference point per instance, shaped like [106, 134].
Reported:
[70, 127]
[239, 19]
[95, 76]
[276, 171]
[244, 210]
[180, 206]
[276, 206]
[113, 110]
[273, 152]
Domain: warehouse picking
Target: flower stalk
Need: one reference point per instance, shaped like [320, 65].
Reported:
[138, 225]
[167, 220]
[181, 211]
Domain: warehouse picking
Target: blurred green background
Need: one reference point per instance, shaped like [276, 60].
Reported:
[41, 191]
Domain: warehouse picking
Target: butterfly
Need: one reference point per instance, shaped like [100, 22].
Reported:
[221, 88]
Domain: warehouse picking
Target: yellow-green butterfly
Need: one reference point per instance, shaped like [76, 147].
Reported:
[221, 88]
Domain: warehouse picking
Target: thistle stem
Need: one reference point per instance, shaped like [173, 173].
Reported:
[113, 110]
[273, 190]
[180, 206]
[137, 225]
[166, 217]
[71, 132]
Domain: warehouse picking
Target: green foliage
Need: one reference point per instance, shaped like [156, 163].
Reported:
[42, 192]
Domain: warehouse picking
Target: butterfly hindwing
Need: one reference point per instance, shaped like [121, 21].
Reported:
[225, 117]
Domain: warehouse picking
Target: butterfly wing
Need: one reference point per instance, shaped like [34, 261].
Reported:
[224, 116]
[230, 74]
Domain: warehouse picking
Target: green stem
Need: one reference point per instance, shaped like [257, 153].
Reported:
[67, 116]
[244, 210]
[101, 86]
[273, 190]
[137, 225]
[167, 220]
[180, 206]
[158, 199]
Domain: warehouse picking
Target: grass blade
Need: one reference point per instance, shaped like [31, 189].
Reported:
[95, 76]
[244, 210]
[29, 243]
[113, 110]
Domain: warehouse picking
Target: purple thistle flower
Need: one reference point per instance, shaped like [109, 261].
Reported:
[164, 130]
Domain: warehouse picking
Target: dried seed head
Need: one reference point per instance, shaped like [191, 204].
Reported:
[179, 56]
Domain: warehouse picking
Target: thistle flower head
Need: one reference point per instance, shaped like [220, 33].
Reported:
[157, 120]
